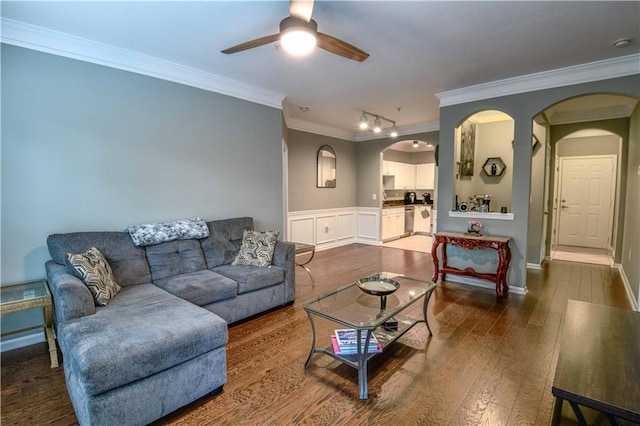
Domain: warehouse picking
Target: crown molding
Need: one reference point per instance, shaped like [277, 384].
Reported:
[409, 129]
[57, 43]
[584, 73]
[318, 129]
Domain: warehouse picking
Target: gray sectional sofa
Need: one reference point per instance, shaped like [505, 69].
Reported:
[159, 344]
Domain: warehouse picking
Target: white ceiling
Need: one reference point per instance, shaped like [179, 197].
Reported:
[417, 48]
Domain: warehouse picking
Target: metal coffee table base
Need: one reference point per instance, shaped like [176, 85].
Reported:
[385, 337]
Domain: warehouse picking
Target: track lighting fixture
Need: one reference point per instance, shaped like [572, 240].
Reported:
[377, 126]
[364, 123]
[415, 144]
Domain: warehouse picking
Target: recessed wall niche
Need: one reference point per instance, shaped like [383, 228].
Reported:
[483, 136]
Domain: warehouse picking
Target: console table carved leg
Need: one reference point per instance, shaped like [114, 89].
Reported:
[434, 256]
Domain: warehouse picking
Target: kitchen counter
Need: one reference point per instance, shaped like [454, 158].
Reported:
[400, 203]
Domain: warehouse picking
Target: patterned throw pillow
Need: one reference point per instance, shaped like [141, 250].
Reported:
[94, 270]
[257, 248]
[156, 233]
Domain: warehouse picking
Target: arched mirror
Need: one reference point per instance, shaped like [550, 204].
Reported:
[484, 163]
[326, 167]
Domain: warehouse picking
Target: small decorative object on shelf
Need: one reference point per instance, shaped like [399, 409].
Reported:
[474, 227]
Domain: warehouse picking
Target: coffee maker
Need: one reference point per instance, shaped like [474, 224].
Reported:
[410, 198]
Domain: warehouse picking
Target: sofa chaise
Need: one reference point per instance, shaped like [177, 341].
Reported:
[159, 343]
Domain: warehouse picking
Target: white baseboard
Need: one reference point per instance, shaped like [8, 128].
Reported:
[460, 279]
[534, 266]
[22, 341]
[627, 286]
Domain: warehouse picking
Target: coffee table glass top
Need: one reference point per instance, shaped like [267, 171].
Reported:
[356, 309]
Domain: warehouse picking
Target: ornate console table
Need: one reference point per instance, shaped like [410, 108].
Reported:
[468, 241]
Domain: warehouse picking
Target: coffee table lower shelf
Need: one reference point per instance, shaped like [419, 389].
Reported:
[385, 338]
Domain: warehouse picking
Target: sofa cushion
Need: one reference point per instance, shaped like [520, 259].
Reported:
[200, 287]
[156, 233]
[93, 269]
[175, 258]
[257, 248]
[250, 278]
[143, 330]
[128, 262]
[224, 240]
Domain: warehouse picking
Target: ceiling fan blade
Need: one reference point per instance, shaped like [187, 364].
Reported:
[253, 43]
[342, 48]
[301, 9]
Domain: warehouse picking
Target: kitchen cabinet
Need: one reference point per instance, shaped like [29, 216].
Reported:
[425, 174]
[392, 222]
[408, 176]
[405, 176]
[422, 224]
[389, 167]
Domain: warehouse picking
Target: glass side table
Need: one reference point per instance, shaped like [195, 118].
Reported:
[23, 296]
[303, 248]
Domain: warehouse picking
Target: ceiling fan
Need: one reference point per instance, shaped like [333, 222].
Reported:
[302, 31]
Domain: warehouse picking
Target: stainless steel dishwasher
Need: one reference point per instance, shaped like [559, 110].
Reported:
[409, 214]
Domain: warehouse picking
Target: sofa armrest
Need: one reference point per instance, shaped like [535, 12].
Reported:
[71, 297]
[284, 256]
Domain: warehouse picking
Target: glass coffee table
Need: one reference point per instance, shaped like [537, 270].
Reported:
[369, 305]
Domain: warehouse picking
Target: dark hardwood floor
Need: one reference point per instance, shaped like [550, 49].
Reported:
[489, 362]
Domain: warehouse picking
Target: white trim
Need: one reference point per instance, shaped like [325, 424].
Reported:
[460, 279]
[534, 266]
[22, 341]
[478, 215]
[576, 74]
[57, 43]
[318, 129]
[627, 286]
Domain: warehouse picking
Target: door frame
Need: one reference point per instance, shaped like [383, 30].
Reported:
[613, 205]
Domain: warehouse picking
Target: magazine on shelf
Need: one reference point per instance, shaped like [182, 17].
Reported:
[347, 340]
[353, 350]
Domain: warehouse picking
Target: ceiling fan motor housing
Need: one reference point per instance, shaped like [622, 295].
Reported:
[292, 23]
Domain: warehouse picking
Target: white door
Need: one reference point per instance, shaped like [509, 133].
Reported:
[586, 201]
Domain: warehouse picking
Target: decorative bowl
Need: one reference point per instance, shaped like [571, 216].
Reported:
[377, 286]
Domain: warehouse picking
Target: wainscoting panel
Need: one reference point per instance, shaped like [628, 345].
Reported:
[326, 229]
[301, 230]
[329, 228]
[346, 225]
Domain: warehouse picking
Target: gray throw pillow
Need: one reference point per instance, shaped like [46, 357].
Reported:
[257, 248]
[94, 270]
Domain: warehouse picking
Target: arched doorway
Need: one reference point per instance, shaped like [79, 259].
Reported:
[582, 160]
[408, 185]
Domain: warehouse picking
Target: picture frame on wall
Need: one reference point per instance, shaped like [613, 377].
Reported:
[467, 148]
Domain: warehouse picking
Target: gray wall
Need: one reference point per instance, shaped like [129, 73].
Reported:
[87, 147]
[630, 253]
[592, 145]
[523, 108]
[537, 206]
[302, 162]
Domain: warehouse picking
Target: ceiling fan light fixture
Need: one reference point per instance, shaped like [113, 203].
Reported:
[298, 37]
